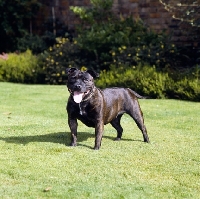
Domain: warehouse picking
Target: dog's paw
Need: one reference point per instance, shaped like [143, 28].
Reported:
[96, 148]
[146, 139]
[73, 144]
[117, 139]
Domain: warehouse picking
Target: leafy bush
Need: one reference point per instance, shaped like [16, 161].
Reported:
[148, 81]
[111, 39]
[15, 19]
[38, 44]
[32, 42]
[145, 79]
[58, 57]
[114, 43]
[185, 85]
[20, 68]
[105, 39]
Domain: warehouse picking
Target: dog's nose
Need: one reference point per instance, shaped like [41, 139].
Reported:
[78, 87]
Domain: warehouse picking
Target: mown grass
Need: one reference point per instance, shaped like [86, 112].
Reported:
[36, 163]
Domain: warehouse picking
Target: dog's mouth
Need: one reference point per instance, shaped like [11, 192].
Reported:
[78, 96]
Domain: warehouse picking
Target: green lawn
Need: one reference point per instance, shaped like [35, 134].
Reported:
[36, 161]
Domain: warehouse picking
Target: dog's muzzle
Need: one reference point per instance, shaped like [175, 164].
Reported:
[79, 96]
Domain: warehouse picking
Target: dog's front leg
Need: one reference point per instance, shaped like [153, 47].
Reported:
[73, 127]
[98, 134]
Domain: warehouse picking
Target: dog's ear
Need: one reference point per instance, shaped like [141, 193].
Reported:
[69, 71]
[93, 73]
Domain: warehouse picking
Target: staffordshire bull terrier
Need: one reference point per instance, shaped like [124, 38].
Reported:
[96, 108]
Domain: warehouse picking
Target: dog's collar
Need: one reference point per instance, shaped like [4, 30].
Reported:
[85, 99]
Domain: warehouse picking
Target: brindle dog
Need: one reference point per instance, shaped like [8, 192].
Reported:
[95, 107]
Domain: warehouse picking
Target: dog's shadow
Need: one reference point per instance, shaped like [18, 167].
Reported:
[59, 138]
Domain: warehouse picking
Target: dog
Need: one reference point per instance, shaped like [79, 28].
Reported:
[96, 108]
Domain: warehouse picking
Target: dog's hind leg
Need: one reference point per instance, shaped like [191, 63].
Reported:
[136, 113]
[116, 124]
[144, 130]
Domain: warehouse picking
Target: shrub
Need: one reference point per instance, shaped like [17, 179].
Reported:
[112, 39]
[32, 42]
[148, 81]
[186, 89]
[15, 17]
[104, 40]
[145, 80]
[38, 44]
[114, 43]
[58, 57]
[20, 68]
[185, 85]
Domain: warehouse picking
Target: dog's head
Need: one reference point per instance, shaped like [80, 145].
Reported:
[80, 84]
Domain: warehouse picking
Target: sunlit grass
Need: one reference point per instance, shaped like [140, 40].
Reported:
[36, 161]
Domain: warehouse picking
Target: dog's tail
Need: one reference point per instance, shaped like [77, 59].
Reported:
[137, 95]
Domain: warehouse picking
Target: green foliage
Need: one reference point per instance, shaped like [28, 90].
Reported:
[126, 42]
[148, 81]
[37, 44]
[108, 39]
[20, 68]
[33, 42]
[106, 42]
[60, 56]
[145, 79]
[100, 11]
[15, 20]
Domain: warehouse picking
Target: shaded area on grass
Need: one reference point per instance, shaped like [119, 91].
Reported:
[59, 138]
